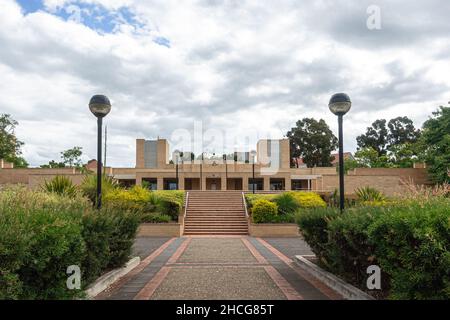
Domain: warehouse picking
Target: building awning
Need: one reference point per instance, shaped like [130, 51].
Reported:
[124, 176]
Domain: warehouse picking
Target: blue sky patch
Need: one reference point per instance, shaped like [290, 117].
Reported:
[93, 16]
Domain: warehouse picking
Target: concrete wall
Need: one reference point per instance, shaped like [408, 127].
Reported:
[35, 181]
[21, 176]
[388, 184]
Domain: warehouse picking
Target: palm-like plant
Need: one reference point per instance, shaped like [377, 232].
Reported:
[89, 186]
[61, 185]
[369, 194]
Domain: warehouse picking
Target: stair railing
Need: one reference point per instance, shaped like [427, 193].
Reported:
[245, 204]
[186, 202]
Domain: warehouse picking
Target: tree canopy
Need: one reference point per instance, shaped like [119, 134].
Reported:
[10, 146]
[436, 139]
[313, 141]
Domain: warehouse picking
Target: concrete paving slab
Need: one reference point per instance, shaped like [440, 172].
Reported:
[218, 283]
[216, 250]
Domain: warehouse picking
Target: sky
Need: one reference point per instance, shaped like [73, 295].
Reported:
[214, 75]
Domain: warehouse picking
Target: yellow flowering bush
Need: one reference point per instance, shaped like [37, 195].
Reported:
[308, 199]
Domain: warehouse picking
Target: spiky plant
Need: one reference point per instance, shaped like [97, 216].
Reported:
[62, 186]
[369, 194]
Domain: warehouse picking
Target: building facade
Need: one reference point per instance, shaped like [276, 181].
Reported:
[268, 169]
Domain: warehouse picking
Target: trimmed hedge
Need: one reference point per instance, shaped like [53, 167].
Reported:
[288, 203]
[264, 211]
[42, 234]
[409, 241]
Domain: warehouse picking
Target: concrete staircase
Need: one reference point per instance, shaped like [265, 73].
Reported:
[215, 213]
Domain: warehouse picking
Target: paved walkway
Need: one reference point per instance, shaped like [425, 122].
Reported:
[218, 268]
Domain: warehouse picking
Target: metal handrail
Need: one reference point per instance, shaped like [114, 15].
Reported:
[245, 204]
[186, 202]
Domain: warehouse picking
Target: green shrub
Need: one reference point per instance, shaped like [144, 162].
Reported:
[40, 236]
[308, 199]
[349, 251]
[368, 194]
[287, 203]
[264, 211]
[313, 225]
[89, 186]
[169, 202]
[251, 198]
[136, 199]
[61, 185]
[412, 245]
[409, 241]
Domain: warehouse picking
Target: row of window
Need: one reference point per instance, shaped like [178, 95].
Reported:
[214, 184]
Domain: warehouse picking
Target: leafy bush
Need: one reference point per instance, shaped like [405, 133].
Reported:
[109, 235]
[349, 250]
[89, 186]
[61, 185]
[251, 198]
[308, 199]
[313, 225]
[137, 199]
[409, 241]
[169, 202]
[412, 245]
[368, 194]
[264, 211]
[287, 203]
[42, 234]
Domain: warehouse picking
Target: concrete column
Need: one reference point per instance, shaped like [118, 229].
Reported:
[245, 183]
[138, 180]
[181, 182]
[223, 182]
[287, 183]
[203, 183]
[160, 184]
[266, 183]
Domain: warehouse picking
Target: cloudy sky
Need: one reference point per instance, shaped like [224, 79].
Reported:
[235, 70]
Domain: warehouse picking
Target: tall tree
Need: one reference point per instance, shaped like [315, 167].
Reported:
[313, 141]
[402, 130]
[10, 146]
[53, 164]
[72, 157]
[369, 157]
[376, 137]
[436, 138]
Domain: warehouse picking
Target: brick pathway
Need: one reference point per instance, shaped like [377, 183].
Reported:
[218, 268]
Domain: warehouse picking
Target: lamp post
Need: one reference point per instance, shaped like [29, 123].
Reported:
[224, 156]
[253, 154]
[340, 104]
[100, 107]
[201, 172]
[177, 157]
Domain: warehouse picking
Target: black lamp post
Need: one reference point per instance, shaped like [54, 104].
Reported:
[177, 157]
[100, 107]
[340, 104]
[201, 172]
[224, 156]
[253, 154]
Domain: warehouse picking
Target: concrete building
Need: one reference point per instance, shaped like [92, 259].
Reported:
[272, 172]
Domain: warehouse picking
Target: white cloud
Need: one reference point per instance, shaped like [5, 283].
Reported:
[246, 67]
